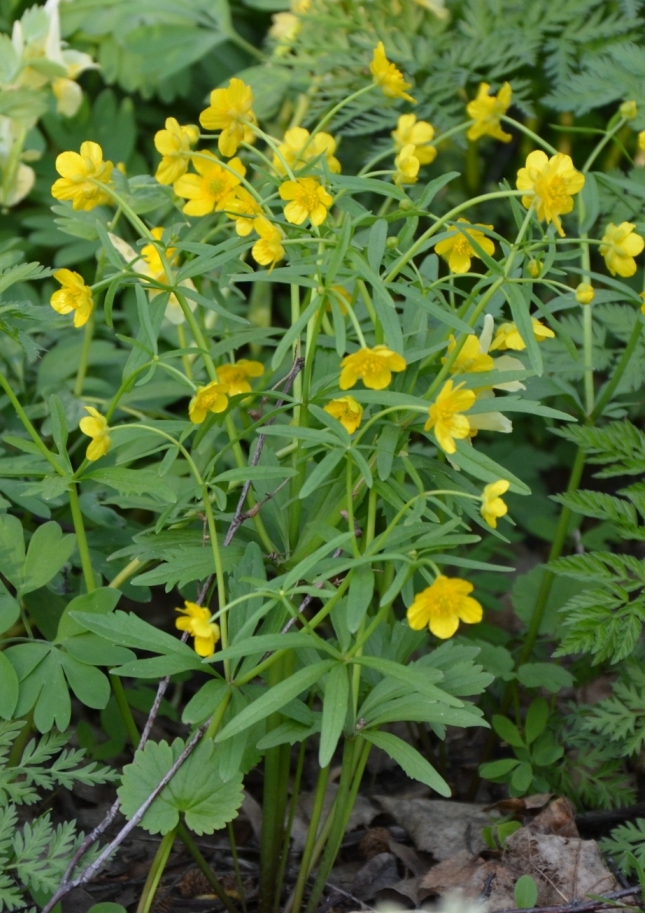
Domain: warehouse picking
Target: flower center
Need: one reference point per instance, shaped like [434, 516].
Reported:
[371, 366]
[462, 246]
[552, 189]
[444, 605]
[309, 199]
[216, 187]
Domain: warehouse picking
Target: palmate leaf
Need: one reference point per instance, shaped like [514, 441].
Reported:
[197, 791]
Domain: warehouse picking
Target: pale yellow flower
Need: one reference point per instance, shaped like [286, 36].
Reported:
[269, 249]
[550, 184]
[493, 507]
[508, 336]
[95, 426]
[174, 143]
[230, 111]
[585, 293]
[73, 296]
[347, 410]
[235, 376]
[197, 621]
[444, 415]
[308, 200]
[443, 605]
[284, 27]
[388, 76]
[407, 166]
[417, 132]
[212, 188]
[619, 245]
[373, 366]
[211, 398]
[244, 209]
[471, 359]
[79, 174]
[299, 148]
[487, 111]
[457, 250]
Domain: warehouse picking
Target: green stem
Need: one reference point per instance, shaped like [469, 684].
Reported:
[603, 142]
[81, 539]
[124, 709]
[236, 863]
[29, 428]
[312, 833]
[292, 813]
[156, 871]
[85, 352]
[528, 132]
[619, 370]
[186, 838]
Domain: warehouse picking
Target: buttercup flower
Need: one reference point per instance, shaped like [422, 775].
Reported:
[620, 244]
[174, 143]
[388, 76]
[550, 184]
[196, 620]
[212, 188]
[297, 149]
[348, 412]
[78, 176]
[417, 132]
[244, 208]
[269, 249]
[211, 398]
[508, 336]
[235, 376]
[373, 366]
[458, 251]
[487, 111]
[73, 296]
[228, 111]
[492, 505]
[444, 415]
[407, 166]
[150, 253]
[585, 293]
[443, 605]
[471, 359]
[95, 426]
[308, 200]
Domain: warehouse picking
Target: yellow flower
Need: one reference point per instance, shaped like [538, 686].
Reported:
[298, 149]
[244, 209]
[471, 359]
[212, 188]
[585, 293]
[619, 245]
[550, 183]
[641, 140]
[342, 298]
[235, 376]
[444, 415]
[492, 505]
[197, 621]
[642, 298]
[388, 76]
[78, 174]
[373, 366]
[228, 111]
[487, 111]
[73, 296]
[419, 133]
[457, 250]
[269, 249]
[211, 398]
[284, 27]
[348, 412]
[150, 253]
[174, 143]
[628, 110]
[443, 605]
[407, 166]
[95, 426]
[309, 199]
[508, 336]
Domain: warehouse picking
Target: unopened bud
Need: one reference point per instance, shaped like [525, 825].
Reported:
[628, 110]
[392, 241]
[585, 293]
[534, 268]
[405, 205]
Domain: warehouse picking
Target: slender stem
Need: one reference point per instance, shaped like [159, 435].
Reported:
[186, 838]
[292, 813]
[312, 832]
[156, 871]
[125, 573]
[124, 709]
[81, 539]
[603, 142]
[29, 428]
[619, 370]
[219, 571]
[236, 863]
[528, 132]
[85, 353]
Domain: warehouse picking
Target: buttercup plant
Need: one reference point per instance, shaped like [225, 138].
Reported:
[320, 532]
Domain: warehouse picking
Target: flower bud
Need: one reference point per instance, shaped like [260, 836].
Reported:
[392, 241]
[628, 110]
[641, 140]
[406, 204]
[534, 268]
[585, 293]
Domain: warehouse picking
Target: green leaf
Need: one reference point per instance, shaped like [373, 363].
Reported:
[334, 712]
[482, 467]
[525, 893]
[319, 474]
[134, 482]
[520, 311]
[48, 551]
[536, 720]
[58, 421]
[101, 601]
[287, 733]
[196, 791]
[508, 731]
[376, 243]
[202, 705]
[90, 686]
[409, 759]
[498, 770]
[9, 612]
[545, 675]
[275, 698]
[415, 678]
[361, 590]
[12, 548]
[522, 777]
[9, 688]
[128, 630]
